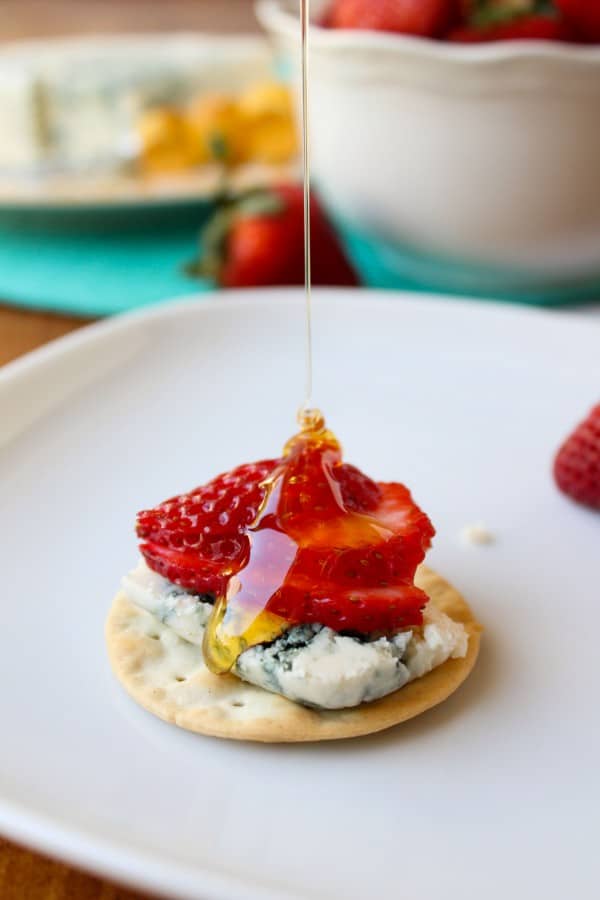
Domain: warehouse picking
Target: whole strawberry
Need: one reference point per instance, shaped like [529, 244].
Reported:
[584, 16]
[199, 540]
[424, 18]
[258, 240]
[577, 464]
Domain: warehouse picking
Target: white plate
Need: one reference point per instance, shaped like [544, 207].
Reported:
[113, 191]
[82, 73]
[492, 794]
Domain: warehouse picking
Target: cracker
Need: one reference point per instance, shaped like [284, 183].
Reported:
[166, 675]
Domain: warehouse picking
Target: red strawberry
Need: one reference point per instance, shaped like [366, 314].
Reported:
[198, 540]
[363, 588]
[259, 240]
[195, 539]
[518, 29]
[584, 16]
[424, 18]
[577, 464]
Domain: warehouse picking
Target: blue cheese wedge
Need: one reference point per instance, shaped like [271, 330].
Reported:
[23, 140]
[186, 614]
[311, 664]
[71, 105]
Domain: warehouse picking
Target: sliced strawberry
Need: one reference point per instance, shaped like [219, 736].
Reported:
[367, 588]
[372, 611]
[359, 492]
[346, 548]
[198, 539]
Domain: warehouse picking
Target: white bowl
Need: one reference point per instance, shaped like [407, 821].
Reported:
[483, 155]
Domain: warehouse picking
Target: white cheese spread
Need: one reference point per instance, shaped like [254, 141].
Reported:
[311, 664]
[476, 534]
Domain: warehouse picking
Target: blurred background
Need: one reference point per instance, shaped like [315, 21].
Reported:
[454, 149]
[46, 18]
[121, 125]
[150, 149]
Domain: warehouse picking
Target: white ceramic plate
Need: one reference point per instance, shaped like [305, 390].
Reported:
[113, 191]
[492, 794]
[82, 73]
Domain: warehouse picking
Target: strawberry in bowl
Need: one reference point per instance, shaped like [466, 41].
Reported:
[471, 21]
[583, 16]
[424, 18]
[441, 151]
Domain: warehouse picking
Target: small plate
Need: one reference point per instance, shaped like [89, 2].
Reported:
[495, 791]
[60, 88]
[99, 193]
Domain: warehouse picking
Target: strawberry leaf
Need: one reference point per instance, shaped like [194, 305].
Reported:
[213, 238]
[487, 13]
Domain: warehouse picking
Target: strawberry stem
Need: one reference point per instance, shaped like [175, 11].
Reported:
[487, 13]
[255, 203]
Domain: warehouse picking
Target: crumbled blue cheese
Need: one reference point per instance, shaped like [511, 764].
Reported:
[186, 614]
[330, 670]
[22, 146]
[311, 664]
[69, 104]
[476, 534]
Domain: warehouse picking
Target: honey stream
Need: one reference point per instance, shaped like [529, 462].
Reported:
[239, 619]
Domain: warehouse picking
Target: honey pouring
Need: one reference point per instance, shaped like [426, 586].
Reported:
[311, 554]
[240, 618]
[295, 574]
[304, 526]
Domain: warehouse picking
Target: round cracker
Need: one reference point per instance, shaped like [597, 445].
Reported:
[167, 676]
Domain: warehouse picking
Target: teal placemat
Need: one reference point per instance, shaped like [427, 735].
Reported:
[66, 265]
[91, 275]
[91, 265]
[385, 266]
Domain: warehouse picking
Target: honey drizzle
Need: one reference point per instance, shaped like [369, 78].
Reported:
[304, 28]
[239, 619]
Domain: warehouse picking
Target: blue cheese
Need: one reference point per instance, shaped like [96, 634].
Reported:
[184, 613]
[330, 671]
[311, 664]
[333, 671]
[23, 141]
[72, 104]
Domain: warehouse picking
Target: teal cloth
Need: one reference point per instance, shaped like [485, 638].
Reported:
[385, 266]
[95, 263]
[75, 268]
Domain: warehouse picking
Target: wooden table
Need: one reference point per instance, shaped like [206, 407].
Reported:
[25, 875]
[23, 331]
